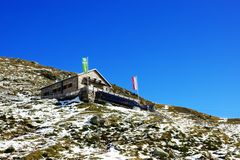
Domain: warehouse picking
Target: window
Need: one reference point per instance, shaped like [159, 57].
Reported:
[67, 86]
[70, 85]
[46, 94]
[86, 80]
[57, 90]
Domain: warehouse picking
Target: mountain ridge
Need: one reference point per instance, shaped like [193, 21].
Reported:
[58, 74]
[34, 128]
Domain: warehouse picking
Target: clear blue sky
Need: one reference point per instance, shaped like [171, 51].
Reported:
[185, 53]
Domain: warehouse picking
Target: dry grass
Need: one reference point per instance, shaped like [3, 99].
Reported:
[194, 113]
[234, 120]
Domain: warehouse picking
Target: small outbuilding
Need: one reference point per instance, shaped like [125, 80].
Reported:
[77, 85]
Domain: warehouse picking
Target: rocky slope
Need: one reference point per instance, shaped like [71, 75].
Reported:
[20, 76]
[31, 128]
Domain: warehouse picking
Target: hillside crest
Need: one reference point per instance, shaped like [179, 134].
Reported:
[34, 128]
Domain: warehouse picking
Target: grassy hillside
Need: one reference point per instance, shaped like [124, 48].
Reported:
[21, 76]
[34, 128]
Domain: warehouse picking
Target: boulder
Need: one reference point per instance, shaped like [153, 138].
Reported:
[158, 152]
[97, 121]
[94, 120]
[10, 150]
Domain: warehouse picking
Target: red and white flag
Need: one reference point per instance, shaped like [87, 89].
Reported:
[135, 83]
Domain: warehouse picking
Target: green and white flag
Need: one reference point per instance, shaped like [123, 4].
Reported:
[85, 64]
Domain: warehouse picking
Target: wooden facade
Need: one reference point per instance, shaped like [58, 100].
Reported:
[72, 86]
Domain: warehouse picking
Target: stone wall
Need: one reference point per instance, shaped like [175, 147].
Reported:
[65, 87]
[61, 88]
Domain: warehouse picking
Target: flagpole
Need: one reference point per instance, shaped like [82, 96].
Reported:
[88, 78]
[135, 86]
[138, 96]
[85, 70]
[87, 65]
[138, 91]
[87, 73]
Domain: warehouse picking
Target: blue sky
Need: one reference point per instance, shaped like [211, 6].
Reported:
[185, 53]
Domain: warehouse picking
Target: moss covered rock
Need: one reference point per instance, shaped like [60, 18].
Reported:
[9, 150]
[158, 152]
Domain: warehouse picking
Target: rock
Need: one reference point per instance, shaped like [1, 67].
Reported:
[158, 152]
[93, 127]
[3, 117]
[150, 136]
[92, 138]
[171, 154]
[26, 106]
[85, 128]
[94, 120]
[112, 121]
[101, 122]
[9, 150]
[28, 124]
[163, 143]
[207, 155]
[171, 144]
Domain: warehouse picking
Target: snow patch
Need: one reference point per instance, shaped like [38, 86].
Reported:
[45, 130]
[166, 107]
[112, 154]
[223, 120]
[71, 102]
